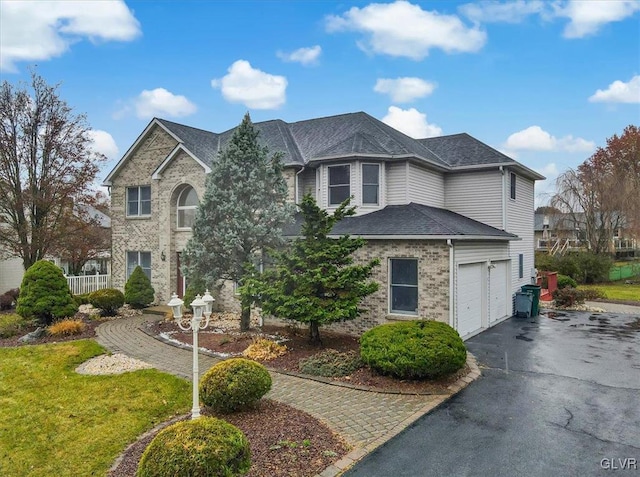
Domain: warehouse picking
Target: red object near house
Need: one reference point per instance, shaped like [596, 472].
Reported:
[548, 282]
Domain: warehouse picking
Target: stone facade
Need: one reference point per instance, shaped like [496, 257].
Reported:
[433, 283]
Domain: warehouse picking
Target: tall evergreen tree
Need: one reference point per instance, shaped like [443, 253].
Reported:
[242, 212]
[315, 281]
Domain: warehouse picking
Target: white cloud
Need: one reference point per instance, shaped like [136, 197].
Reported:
[160, 102]
[404, 90]
[403, 29]
[252, 87]
[102, 142]
[508, 12]
[32, 31]
[411, 122]
[587, 17]
[534, 138]
[619, 92]
[305, 56]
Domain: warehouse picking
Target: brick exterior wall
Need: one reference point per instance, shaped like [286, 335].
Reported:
[433, 284]
[159, 232]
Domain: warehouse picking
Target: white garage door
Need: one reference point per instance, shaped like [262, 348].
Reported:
[469, 298]
[498, 276]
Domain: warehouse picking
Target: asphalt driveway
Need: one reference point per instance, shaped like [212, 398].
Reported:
[559, 395]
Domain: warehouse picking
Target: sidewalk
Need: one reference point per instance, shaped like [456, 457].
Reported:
[614, 307]
[365, 419]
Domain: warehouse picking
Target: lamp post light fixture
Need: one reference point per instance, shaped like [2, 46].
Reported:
[199, 306]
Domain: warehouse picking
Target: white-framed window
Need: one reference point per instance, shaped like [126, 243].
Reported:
[186, 207]
[370, 184]
[135, 258]
[403, 286]
[138, 201]
[512, 177]
[339, 183]
[520, 265]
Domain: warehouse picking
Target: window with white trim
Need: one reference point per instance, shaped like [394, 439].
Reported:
[186, 207]
[513, 185]
[403, 286]
[138, 201]
[339, 184]
[139, 258]
[370, 184]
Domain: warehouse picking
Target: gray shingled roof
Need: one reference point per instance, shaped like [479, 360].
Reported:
[410, 220]
[464, 150]
[203, 144]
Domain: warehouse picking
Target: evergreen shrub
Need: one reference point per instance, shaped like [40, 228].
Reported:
[202, 447]
[138, 291]
[234, 384]
[413, 349]
[565, 281]
[331, 363]
[45, 294]
[108, 300]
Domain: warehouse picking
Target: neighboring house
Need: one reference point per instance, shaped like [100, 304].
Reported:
[12, 271]
[558, 233]
[449, 217]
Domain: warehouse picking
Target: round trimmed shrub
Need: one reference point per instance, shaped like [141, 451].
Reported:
[201, 447]
[234, 384]
[138, 291]
[413, 349]
[45, 294]
[108, 300]
[564, 281]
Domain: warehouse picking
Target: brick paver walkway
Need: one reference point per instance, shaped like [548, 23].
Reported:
[364, 418]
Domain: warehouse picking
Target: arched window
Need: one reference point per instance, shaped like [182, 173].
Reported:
[187, 203]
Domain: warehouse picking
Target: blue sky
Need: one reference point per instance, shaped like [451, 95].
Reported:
[543, 81]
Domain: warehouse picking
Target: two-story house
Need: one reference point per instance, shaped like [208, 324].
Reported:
[450, 218]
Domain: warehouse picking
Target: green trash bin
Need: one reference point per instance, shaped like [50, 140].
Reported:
[535, 291]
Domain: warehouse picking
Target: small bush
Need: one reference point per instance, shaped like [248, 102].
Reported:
[108, 300]
[6, 302]
[331, 363]
[569, 296]
[263, 349]
[413, 349]
[565, 281]
[593, 268]
[66, 328]
[138, 291]
[198, 448]
[234, 384]
[44, 294]
[82, 299]
[11, 324]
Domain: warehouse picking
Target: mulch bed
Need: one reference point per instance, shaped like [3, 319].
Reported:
[296, 340]
[284, 442]
[89, 332]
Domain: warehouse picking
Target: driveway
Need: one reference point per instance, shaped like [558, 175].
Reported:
[559, 395]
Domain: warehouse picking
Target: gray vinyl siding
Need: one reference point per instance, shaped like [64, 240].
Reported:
[520, 222]
[470, 252]
[11, 272]
[478, 195]
[397, 191]
[425, 186]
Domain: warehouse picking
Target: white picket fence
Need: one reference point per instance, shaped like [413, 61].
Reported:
[88, 283]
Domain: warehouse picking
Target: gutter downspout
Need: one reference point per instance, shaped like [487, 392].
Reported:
[451, 284]
[504, 199]
[297, 196]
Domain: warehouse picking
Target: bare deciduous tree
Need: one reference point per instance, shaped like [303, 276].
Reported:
[46, 165]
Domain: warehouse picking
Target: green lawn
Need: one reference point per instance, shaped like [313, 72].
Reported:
[617, 291]
[54, 422]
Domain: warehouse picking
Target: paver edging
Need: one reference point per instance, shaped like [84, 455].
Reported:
[357, 453]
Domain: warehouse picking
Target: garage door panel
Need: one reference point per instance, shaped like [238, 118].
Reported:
[498, 280]
[469, 298]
